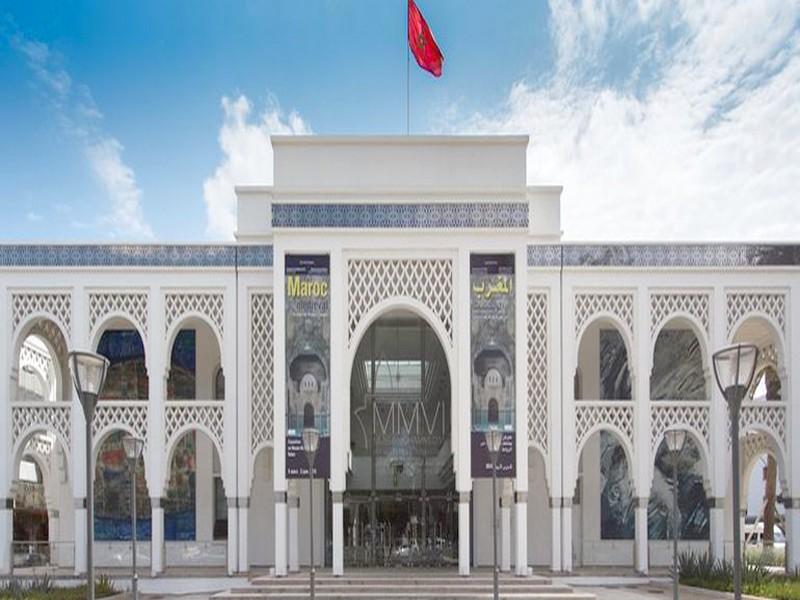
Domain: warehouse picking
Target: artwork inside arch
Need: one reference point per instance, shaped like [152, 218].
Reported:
[127, 374]
[308, 331]
[30, 507]
[615, 376]
[677, 367]
[492, 356]
[112, 494]
[182, 381]
[617, 518]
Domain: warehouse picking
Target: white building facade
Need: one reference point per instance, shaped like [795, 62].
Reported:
[607, 346]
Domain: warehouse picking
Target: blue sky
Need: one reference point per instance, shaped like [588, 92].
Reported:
[133, 120]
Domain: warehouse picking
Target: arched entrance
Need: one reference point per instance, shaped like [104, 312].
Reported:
[400, 505]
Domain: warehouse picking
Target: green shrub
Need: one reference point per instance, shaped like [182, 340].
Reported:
[43, 588]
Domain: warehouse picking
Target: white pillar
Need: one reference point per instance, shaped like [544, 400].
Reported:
[463, 533]
[716, 525]
[792, 534]
[555, 524]
[244, 519]
[521, 522]
[6, 534]
[640, 529]
[233, 536]
[80, 536]
[294, 540]
[157, 558]
[79, 341]
[280, 534]
[338, 533]
[505, 533]
[566, 535]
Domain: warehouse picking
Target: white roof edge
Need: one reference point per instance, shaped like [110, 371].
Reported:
[544, 189]
[399, 139]
[252, 189]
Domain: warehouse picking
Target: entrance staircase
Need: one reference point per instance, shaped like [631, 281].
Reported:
[404, 584]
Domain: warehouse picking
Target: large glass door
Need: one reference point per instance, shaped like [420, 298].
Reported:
[400, 506]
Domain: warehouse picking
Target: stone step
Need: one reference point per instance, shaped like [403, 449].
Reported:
[277, 589]
[399, 580]
[403, 595]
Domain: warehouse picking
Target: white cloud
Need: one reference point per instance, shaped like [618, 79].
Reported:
[247, 157]
[79, 117]
[698, 139]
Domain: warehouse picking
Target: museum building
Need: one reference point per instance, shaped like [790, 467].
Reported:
[400, 295]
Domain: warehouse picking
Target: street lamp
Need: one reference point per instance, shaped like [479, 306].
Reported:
[133, 450]
[310, 445]
[675, 439]
[494, 437]
[88, 375]
[734, 367]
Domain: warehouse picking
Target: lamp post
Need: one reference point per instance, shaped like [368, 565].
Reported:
[133, 450]
[88, 375]
[675, 439]
[734, 367]
[310, 445]
[494, 437]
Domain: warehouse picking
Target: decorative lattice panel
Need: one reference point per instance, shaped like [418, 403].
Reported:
[134, 305]
[694, 417]
[261, 369]
[57, 305]
[194, 414]
[40, 417]
[41, 361]
[209, 304]
[537, 370]
[588, 305]
[755, 444]
[429, 281]
[40, 445]
[109, 416]
[664, 306]
[772, 305]
[614, 415]
[769, 416]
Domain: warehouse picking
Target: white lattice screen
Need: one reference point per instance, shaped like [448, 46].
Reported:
[537, 371]
[57, 305]
[109, 416]
[41, 417]
[194, 414]
[693, 416]
[764, 415]
[211, 304]
[742, 304]
[590, 304]
[611, 415]
[429, 281]
[261, 369]
[134, 305]
[664, 306]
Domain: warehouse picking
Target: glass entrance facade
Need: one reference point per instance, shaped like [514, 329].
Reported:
[400, 506]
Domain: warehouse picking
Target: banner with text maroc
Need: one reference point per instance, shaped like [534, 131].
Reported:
[308, 351]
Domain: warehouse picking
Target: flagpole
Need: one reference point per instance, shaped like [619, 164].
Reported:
[408, 79]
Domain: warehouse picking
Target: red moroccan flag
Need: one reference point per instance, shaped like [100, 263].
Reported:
[421, 42]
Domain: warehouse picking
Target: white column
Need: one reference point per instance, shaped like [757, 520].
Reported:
[461, 395]
[6, 466]
[505, 533]
[640, 534]
[720, 461]
[566, 535]
[244, 519]
[340, 405]
[157, 557]
[279, 424]
[792, 397]
[233, 536]
[555, 524]
[157, 471]
[338, 533]
[463, 533]
[642, 365]
[521, 414]
[521, 521]
[79, 341]
[294, 540]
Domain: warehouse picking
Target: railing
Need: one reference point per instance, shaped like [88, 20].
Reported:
[193, 553]
[42, 556]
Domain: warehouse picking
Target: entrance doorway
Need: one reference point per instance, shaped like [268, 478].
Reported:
[400, 506]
